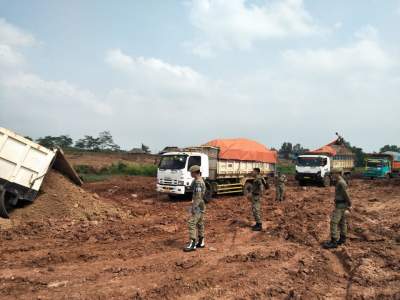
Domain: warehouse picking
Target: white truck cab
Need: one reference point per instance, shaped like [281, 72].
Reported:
[173, 176]
[315, 168]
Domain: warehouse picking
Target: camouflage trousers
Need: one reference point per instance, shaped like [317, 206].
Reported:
[196, 225]
[256, 207]
[338, 221]
[280, 193]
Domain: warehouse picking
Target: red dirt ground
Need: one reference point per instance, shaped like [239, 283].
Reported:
[139, 255]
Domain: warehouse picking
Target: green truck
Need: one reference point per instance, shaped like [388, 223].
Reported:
[382, 165]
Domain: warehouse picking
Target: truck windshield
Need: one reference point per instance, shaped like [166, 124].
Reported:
[374, 164]
[310, 161]
[173, 162]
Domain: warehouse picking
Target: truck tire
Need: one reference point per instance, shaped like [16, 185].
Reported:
[247, 188]
[4, 204]
[209, 192]
[326, 181]
[302, 183]
[173, 196]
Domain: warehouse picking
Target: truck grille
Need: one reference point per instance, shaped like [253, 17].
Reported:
[168, 182]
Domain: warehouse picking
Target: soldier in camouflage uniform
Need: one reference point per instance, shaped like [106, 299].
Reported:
[338, 219]
[280, 181]
[196, 220]
[256, 192]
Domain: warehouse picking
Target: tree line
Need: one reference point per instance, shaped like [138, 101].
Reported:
[104, 141]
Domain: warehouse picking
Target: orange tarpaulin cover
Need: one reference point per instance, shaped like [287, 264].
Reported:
[243, 149]
[325, 149]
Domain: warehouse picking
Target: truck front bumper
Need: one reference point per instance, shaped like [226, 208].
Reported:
[171, 189]
[308, 177]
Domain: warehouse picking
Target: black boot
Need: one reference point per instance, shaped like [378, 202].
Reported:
[342, 240]
[257, 227]
[191, 246]
[200, 243]
[332, 244]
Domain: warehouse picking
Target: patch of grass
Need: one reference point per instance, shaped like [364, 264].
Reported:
[288, 169]
[85, 169]
[138, 170]
[95, 177]
[90, 174]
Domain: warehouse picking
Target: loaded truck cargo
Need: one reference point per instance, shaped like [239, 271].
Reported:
[23, 166]
[320, 165]
[226, 166]
[382, 165]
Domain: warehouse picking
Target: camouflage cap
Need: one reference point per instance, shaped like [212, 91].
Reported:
[194, 168]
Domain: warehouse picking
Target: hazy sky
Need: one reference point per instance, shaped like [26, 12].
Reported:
[184, 72]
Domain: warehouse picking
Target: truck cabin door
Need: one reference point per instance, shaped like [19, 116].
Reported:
[194, 160]
[200, 161]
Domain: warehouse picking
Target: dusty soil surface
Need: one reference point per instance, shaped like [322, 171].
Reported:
[100, 160]
[140, 256]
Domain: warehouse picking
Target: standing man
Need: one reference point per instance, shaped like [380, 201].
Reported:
[280, 181]
[338, 219]
[196, 220]
[256, 192]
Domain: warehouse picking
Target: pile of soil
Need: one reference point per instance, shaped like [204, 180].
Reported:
[124, 188]
[59, 198]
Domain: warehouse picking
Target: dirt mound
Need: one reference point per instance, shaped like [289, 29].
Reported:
[125, 187]
[61, 199]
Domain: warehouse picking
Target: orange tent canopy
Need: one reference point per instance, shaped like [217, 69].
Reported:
[243, 149]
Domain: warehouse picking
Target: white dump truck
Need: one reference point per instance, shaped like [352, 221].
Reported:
[320, 165]
[225, 165]
[23, 166]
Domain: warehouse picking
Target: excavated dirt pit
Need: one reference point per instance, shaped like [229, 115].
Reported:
[132, 247]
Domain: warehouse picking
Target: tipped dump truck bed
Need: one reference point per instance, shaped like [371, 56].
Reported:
[23, 166]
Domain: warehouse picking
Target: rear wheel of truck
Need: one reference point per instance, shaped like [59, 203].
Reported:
[326, 181]
[248, 186]
[5, 205]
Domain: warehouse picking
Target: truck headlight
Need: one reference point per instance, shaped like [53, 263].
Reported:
[181, 183]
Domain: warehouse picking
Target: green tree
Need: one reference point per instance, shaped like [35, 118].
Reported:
[286, 150]
[88, 142]
[393, 148]
[101, 143]
[62, 141]
[146, 149]
[106, 141]
[299, 150]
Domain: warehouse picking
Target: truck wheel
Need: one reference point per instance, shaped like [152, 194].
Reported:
[4, 204]
[302, 183]
[209, 192]
[327, 181]
[247, 188]
[173, 197]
